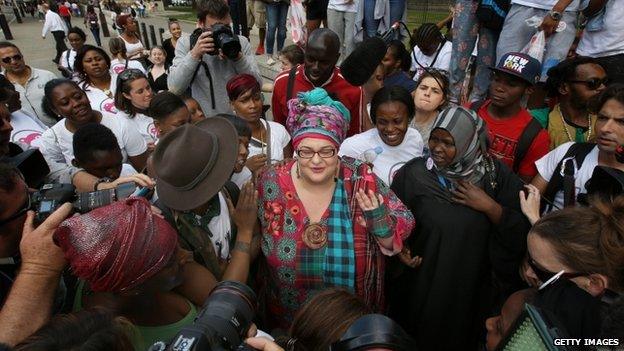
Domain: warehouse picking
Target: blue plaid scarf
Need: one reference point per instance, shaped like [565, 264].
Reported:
[339, 265]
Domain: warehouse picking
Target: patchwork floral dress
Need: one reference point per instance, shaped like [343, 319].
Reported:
[303, 258]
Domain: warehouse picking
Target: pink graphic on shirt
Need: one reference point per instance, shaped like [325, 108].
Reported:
[119, 69]
[152, 131]
[108, 105]
[27, 137]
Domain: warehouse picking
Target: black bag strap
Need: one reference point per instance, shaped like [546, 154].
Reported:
[291, 83]
[525, 141]
[573, 157]
[212, 94]
[476, 106]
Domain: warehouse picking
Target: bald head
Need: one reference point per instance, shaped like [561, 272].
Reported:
[321, 54]
[325, 37]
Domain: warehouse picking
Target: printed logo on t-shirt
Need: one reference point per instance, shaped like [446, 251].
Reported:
[27, 137]
[119, 68]
[515, 63]
[152, 131]
[108, 105]
[503, 148]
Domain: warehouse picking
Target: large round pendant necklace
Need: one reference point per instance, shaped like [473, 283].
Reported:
[314, 236]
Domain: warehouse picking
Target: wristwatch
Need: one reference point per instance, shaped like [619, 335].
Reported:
[555, 15]
[100, 181]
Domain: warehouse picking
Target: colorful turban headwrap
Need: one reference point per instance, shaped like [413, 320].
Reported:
[239, 84]
[117, 247]
[315, 115]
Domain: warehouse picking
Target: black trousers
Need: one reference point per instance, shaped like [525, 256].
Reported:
[59, 37]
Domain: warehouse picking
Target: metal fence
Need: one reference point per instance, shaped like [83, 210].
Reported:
[423, 11]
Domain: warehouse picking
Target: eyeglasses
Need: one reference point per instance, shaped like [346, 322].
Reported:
[594, 83]
[22, 211]
[545, 275]
[309, 153]
[8, 59]
[130, 73]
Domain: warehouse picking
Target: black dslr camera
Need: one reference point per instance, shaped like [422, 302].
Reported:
[224, 39]
[51, 196]
[222, 324]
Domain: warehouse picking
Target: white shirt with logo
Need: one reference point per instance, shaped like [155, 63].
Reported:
[386, 160]
[57, 142]
[27, 130]
[143, 124]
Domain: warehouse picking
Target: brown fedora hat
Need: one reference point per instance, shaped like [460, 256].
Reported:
[193, 162]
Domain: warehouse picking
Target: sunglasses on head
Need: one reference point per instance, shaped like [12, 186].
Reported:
[544, 275]
[130, 73]
[592, 84]
[8, 59]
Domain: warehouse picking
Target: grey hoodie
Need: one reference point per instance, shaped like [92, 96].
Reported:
[184, 65]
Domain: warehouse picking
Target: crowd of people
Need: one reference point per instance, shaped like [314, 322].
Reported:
[387, 197]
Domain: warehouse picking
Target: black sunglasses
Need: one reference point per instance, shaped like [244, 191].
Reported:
[594, 83]
[8, 59]
[545, 275]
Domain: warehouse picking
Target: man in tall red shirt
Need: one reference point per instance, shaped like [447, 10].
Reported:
[509, 124]
[319, 70]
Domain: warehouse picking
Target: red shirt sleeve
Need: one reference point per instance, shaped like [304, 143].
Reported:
[278, 102]
[538, 149]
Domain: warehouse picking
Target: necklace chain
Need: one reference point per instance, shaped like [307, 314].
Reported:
[565, 126]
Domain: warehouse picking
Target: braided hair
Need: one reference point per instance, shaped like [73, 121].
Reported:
[425, 34]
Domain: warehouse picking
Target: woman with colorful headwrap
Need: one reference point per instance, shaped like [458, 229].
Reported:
[270, 142]
[128, 259]
[327, 221]
[469, 229]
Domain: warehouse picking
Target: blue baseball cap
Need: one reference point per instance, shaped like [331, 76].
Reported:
[520, 65]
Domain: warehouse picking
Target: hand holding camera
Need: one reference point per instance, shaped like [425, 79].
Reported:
[203, 45]
[217, 40]
[39, 253]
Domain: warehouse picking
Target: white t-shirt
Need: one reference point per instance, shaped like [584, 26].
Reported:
[279, 139]
[99, 100]
[608, 41]
[343, 5]
[59, 138]
[68, 63]
[546, 166]
[127, 170]
[546, 4]
[221, 229]
[143, 124]
[117, 66]
[27, 130]
[386, 159]
[443, 60]
[241, 178]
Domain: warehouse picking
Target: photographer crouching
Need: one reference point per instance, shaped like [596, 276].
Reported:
[209, 57]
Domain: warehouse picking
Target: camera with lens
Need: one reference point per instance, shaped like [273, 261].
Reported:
[52, 196]
[223, 37]
[222, 324]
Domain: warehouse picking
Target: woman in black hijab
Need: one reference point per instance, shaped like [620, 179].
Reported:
[469, 228]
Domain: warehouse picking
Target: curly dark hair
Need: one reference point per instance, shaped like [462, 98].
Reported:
[564, 72]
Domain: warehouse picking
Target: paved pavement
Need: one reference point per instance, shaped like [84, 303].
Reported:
[39, 52]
